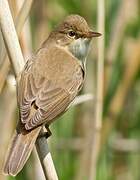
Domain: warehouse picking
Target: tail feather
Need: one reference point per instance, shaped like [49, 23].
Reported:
[19, 150]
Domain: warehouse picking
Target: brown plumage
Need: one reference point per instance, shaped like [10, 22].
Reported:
[49, 82]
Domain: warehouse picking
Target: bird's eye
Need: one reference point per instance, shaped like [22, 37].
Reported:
[71, 33]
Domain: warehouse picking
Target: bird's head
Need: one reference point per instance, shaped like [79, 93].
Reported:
[74, 34]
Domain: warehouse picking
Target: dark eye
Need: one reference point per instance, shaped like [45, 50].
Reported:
[71, 33]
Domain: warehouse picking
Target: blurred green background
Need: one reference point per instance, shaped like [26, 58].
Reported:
[118, 154]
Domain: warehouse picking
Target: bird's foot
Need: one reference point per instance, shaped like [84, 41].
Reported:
[46, 134]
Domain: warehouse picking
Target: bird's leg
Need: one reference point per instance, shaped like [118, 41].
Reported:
[48, 133]
[45, 134]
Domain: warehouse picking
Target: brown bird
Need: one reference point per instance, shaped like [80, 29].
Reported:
[49, 83]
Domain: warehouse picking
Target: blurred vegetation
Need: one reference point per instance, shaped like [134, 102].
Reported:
[119, 155]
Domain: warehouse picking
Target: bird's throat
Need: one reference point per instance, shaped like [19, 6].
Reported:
[79, 48]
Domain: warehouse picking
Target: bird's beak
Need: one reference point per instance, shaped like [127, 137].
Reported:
[92, 34]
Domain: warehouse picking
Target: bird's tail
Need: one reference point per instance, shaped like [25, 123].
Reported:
[19, 150]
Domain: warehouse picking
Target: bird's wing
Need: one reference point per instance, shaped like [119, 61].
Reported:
[54, 104]
[42, 100]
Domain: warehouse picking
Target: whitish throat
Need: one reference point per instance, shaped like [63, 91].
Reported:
[79, 48]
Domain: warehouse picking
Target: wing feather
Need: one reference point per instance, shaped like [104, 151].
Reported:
[53, 109]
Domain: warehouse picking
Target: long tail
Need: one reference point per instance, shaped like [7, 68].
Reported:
[19, 150]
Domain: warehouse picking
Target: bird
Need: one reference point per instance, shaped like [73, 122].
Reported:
[48, 84]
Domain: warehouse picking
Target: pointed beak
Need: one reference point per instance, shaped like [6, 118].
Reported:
[92, 34]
